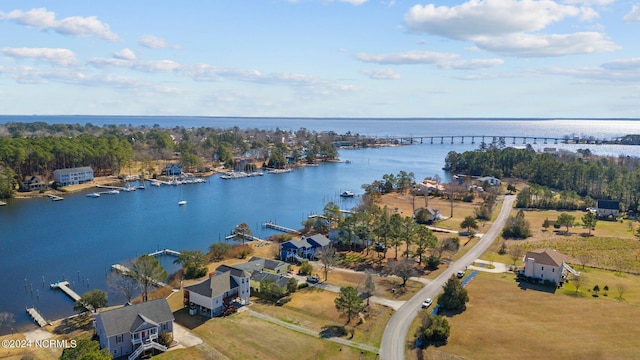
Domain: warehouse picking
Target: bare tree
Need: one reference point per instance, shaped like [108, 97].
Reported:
[404, 269]
[622, 288]
[369, 285]
[578, 281]
[584, 258]
[328, 257]
[122, 284]
[516, 252]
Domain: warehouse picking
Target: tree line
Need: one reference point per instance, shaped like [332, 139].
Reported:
[574, 175]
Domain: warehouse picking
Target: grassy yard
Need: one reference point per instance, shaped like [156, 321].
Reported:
[504, 321]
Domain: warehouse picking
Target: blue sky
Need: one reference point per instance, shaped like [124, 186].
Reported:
[321, 58]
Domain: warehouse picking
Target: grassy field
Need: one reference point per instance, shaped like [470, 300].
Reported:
[504, 321]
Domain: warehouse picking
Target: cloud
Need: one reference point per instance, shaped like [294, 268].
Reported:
[75, 26]
[154, 42]
[474, 64]
[352, 2]
[526, 45]
[486, 18]
[125, 54]
[589, 2]
[381, 74]
[63, 57]
[410, 57]
[624, 64]
[633, 15]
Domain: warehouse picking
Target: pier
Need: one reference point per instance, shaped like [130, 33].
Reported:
[234, 236]
[274, 226]
[2, 203]
[490, 139]
[165, 252]
[55, 197]
[120, 188]
[35, 315]
[64, 286]
[126, 271]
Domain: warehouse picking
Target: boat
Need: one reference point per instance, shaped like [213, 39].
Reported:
[347, 193]
[155, 183]
[280, 171]
[113, 192]
[55, 197]
[182, 202]
[2, 203]
[93, 195]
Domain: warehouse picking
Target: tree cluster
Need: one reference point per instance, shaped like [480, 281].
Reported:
[517, 227]
[454, 296]
[433, 329]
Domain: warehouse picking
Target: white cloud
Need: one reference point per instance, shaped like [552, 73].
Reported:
[125, 54]
[63, 57]
[624, 64]
[410, 57]
[474, 64]
[486, 18]
[527, 45]
[154, 42]
[633, 15]
[589, 2]
[77, 26]
[381, 74]
[352, 2]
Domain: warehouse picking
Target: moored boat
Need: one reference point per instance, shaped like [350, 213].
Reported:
[347, 193]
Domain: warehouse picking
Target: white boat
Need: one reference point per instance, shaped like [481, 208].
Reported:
[113, 192]
[347, 193]
[93, 195]
[155, 183]
[280, 171]
[182, 202]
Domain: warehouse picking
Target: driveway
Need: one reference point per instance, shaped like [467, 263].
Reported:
[395, 334]
[497, 267]
[184, 337]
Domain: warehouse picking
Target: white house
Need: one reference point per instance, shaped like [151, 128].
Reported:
[608, 208]
[212, 296]
[73, 176]
[490, 180]
[134, 329]
[546, 264]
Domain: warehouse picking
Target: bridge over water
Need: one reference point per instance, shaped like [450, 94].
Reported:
[487, 139]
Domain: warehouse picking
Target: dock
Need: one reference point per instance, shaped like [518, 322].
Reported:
[274, 226]
[64, 286]
[126, 271]
[165, 252]
[234, 236]
[55, 197]
[35, 315]
[119, 188]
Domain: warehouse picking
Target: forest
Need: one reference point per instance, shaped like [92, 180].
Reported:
[561, 176]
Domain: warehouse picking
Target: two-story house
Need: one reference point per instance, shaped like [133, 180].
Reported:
[212, 296]
[134, 329]
[546, 264]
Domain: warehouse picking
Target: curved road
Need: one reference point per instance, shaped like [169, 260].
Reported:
[394, 337]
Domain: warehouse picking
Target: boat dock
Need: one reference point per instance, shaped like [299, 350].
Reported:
[2, 203]
[55, 197]
[64, 286]
[234, 236]
[126, 271]
[274, 226]
[165, 252]
[121, 188]
[35, 315]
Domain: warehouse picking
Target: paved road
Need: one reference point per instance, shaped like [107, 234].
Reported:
[394, 337]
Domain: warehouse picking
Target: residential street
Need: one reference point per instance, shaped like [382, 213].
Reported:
[395, 334]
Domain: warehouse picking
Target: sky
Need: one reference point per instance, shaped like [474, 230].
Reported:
[321, 58]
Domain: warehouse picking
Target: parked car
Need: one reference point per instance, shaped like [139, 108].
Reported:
[426, 303]
[313, 279]
[460, 274]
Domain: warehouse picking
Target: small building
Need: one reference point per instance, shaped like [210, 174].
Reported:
[608, 208]
[134, 329]
[432, 214]
[428, 186]
[73, 176]
[212, 296]
[305, 248]
[546, 264]
[258, 276]
[490, 180]
[33, 183]
[173, 169]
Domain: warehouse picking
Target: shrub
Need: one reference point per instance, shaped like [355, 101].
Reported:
[303, 285]
[165, 338]
[432, 262]
[305, 268]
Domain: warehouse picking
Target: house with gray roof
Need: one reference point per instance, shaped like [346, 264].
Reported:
[257, 277]
[134, 329]
[305, 248]
[212, 296]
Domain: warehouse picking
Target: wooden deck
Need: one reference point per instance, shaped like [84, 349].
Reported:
[64, 286]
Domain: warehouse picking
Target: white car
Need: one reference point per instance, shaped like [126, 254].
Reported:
[426, 303]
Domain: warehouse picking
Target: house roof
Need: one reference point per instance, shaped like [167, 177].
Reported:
[130, 317]
[267, 263]
[318, 239]
[608, 204]
[280, 280]
[298, 244]
[73, 170]
[546, 257]
[234, 270]
[214, 286]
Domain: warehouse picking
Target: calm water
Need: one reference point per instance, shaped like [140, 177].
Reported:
[79, 238]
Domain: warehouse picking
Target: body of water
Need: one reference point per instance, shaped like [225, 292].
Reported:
[78, 239]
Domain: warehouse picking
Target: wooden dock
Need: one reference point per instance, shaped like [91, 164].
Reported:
[35, 315]
[274, 226]
[64, 286]
[235, 236]
[165, 252]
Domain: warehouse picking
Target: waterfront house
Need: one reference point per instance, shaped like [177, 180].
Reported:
[73, 176]
[432, 214]
[608, 208]
[489, 180]
[428, 186]
[305, 248]
[546, 265]
[173, 169]
[214, 295]
[33, 183]
[263, 265]
[134, 329]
